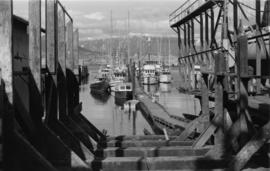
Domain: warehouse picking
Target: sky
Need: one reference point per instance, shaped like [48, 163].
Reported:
[93, 18]
[147, 17]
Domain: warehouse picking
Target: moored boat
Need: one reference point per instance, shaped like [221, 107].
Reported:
[123, 91]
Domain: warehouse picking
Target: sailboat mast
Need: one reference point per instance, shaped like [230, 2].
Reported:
[128, 39]
[169, 51]
[111, 42]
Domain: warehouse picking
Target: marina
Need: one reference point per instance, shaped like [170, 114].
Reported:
[117, 86]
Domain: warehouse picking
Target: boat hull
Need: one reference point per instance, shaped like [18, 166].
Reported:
[149, 80]
[165, 78]
[100, 87]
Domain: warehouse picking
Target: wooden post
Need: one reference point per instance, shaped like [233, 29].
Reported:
[6, 47]
[258, 48]
[70, 77]
[51, 36]
[242, 63]
[205, 100]
[36, 107]
[69, 47]
[6, 66]
[76, 50]
[219, 103]
[52, 63]
[61, 73]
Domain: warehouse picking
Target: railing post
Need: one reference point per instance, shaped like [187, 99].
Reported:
[70, 77]
[51, 61]
[61, 71]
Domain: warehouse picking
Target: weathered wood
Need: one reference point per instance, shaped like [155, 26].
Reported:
[51, 35]
[51, 61]
[209, 131]
[256, 142]
[191, 127]
[35, 41]
[69, 46]
[61, 71]
[241, 55]
[219, 103]
[205, 100]
[242, 63]
[6, 47]
[258, 59]
[76, 50]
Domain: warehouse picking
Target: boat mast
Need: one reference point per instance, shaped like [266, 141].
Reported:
[169, 51]
[111, 41]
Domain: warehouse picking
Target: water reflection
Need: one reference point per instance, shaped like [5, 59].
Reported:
[100, 98]
[108, 112]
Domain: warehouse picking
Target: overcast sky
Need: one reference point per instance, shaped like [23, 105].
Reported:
[92, 17]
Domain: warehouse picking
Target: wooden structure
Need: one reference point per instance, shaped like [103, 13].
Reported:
[41, 124]
[225, 63]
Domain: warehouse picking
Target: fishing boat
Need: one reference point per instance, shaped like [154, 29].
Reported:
[123, 91]
[165, 75]
[101, 87]
[101, 84]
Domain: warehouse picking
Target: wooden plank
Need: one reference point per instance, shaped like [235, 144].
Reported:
[205, 100]
[61, 70]
[51, 36]
[76, 51]
[219, 103]
[212, 127]
[69, 46]
[191, 127]
[256, 142]
[35, 41]
[6, 47]
[34, 29]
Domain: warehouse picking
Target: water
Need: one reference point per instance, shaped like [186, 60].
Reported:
[104, 113]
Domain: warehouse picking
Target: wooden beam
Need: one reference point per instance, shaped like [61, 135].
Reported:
[235, 16]
[51, 61]
[51, 36]
[61, 73]
[35, 98]
[76, 50]
[220, 69]
[6, 47]
[35, 41]
[69, 47]
[258, 48]
[6, 85]
[205, 100]
[256, 142]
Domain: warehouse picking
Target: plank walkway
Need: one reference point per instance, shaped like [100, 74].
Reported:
[158, 112]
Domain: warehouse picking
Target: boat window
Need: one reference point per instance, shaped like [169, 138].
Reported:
[122, 87]
[128, 87]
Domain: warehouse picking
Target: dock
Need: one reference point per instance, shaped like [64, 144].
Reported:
[43, 127]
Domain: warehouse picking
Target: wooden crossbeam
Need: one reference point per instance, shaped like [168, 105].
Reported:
[253, 145]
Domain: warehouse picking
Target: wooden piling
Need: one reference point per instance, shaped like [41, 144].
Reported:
[219, 103]
[51, 61]
[51, 36]
[76, 50]
[6, 67]
[61, 73]
[6, 47]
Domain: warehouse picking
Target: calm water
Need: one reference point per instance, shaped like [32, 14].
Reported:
[106, 113]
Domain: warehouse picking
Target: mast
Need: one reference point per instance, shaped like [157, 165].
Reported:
[169, 51]
[128, 50]
[111, 42]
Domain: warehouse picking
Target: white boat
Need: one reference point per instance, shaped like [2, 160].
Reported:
[150, 72]
[123, 91]
[165, 76]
